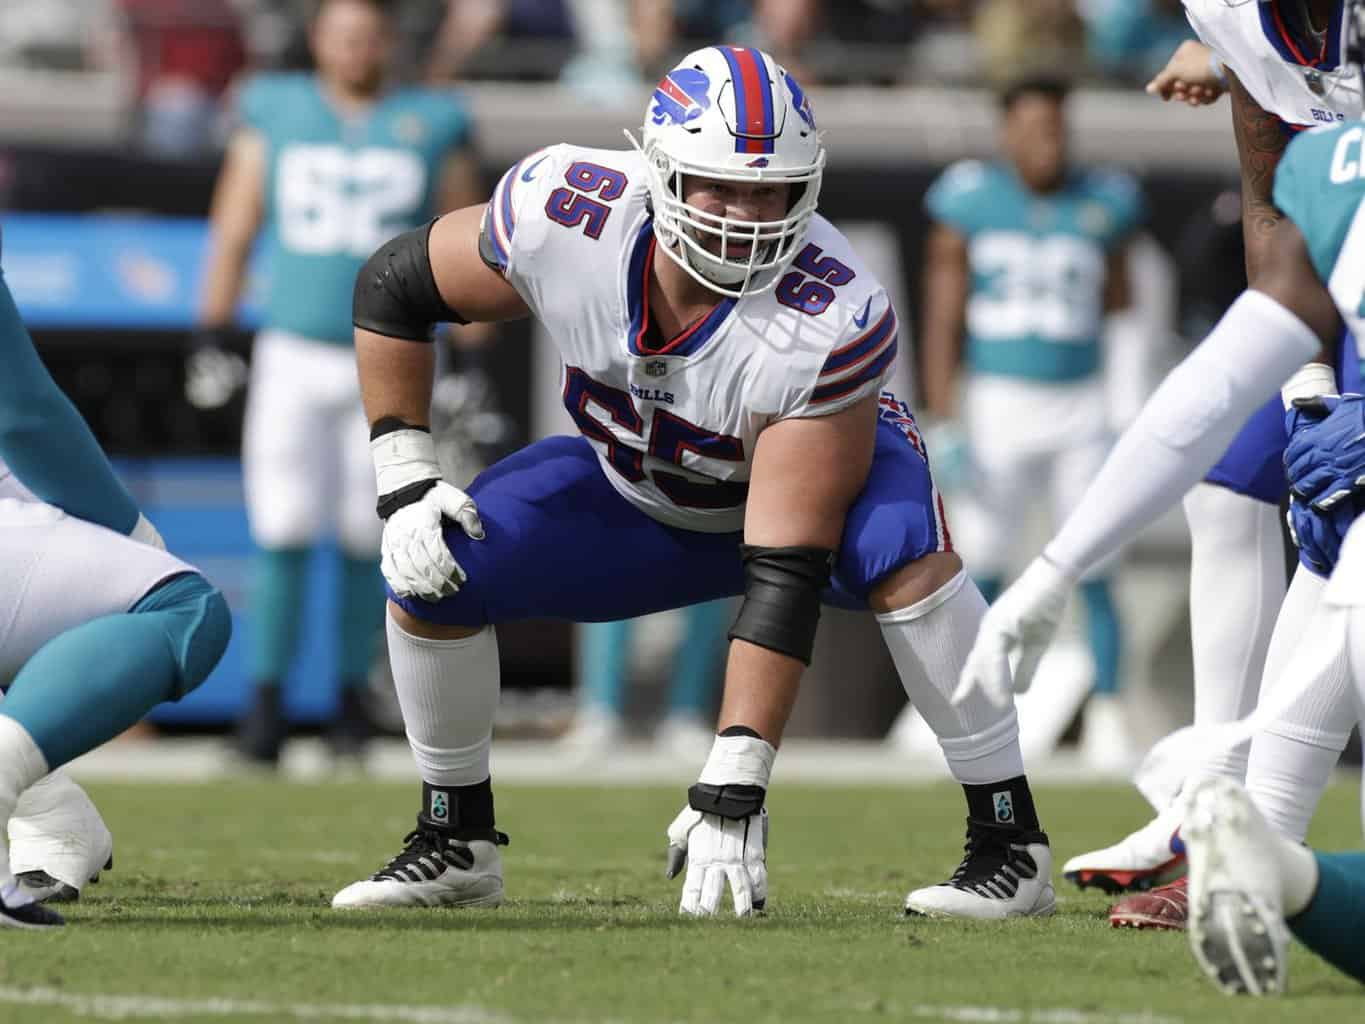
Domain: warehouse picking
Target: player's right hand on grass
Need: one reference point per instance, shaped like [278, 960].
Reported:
[1018, 628]
[415, 503]
[718, 853]
[1189, 76]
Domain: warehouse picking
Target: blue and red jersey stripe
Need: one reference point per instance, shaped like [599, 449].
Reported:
[860, 362]
[501, 220]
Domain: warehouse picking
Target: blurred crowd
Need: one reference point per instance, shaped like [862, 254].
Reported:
[184, 55]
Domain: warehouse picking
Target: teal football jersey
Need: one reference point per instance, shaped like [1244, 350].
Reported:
[1320, 186]
[1036, 304]
[337, 188]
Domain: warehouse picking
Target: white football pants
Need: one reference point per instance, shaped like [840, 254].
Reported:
[306, 447]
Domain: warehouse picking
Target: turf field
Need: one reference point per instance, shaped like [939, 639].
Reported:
[218, 911]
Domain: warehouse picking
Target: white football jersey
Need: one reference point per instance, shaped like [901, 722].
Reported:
[1301, 89]
[674, 421]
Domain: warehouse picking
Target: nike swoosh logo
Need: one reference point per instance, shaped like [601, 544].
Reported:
[860, 321]
[526, 175]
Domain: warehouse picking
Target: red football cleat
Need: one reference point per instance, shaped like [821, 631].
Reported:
[1166, 907]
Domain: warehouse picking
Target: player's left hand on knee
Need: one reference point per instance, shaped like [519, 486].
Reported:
[717, 853]
[414, 503]
[1325, 457]
[1018, 628]
[415, 559]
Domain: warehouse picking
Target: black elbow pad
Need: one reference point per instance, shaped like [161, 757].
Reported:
[782, 598]
[396, 293]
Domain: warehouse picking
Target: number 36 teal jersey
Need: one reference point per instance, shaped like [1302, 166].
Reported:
[1036, 303]
[337, 188]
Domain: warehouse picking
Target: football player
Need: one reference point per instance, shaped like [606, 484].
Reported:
[1025, 260]
[724, 351]
[326, 166]
[98, 625]
[1310, 281]
[1281, 63]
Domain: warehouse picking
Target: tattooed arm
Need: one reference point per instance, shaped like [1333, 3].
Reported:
[1261, 139]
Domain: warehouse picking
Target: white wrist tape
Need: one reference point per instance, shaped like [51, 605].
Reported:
[402, 458]
[1311, 380]
[738, 761]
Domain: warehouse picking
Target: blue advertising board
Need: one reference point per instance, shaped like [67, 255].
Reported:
[111, 270]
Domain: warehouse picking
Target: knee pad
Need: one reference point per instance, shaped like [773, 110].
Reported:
[197, 622]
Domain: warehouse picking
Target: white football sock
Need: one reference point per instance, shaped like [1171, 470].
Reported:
[929, 641]
[1298, 876]
[1293, 755]
[448, 692]
[21, 765]
[1236, 589]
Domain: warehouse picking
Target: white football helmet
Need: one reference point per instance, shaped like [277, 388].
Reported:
[731, 113]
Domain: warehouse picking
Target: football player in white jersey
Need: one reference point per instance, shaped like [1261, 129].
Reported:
[1281, 61]
[724, 351]
[98, 624]
[1248, 879]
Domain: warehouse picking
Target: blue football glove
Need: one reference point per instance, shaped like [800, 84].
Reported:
[1305, 412]
[1318, 535]
[1325, 457]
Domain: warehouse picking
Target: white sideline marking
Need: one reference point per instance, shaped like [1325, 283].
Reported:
[1052, 1015]
[111, 1007]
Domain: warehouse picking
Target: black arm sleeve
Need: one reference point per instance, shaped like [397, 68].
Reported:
[396, 293]
[782, 598]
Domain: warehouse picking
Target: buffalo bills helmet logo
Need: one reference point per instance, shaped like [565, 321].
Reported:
[800, 103]
[681, 97]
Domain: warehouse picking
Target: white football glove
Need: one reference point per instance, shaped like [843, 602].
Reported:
[718, 850]
[1018, 627]
[414, 557]
[213, 374]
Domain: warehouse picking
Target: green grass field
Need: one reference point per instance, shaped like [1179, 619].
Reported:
[218, 910]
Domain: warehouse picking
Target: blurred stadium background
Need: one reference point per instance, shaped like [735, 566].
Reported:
[113, 114]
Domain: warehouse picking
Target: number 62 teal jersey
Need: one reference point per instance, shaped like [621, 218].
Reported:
[1038, 263]
[337, 188]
